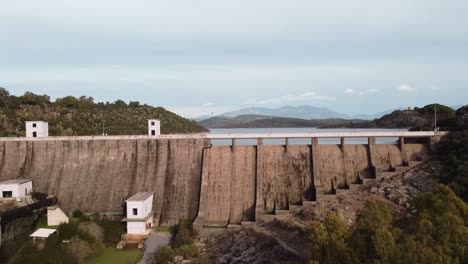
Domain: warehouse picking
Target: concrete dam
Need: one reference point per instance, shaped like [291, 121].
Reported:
[191, 179]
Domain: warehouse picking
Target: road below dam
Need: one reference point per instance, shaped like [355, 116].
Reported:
[190, 179]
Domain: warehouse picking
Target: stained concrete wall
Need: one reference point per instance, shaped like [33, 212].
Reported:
[228, 188]
[237, 182]
[338, 166]
[281, 176]
[98, 175]
[286, 176]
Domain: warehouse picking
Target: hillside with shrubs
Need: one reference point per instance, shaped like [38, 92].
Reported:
[71, 116]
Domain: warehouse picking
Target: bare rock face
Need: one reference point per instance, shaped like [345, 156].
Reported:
[244, 246]
[403, 188]
[98, 175]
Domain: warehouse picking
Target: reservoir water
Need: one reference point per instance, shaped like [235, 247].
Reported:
[298, 141]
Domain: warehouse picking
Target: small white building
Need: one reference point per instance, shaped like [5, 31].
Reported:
[37, 129]
[15, 188]
[154, 127]
[42, 234]
[55, 216]
[139, 213]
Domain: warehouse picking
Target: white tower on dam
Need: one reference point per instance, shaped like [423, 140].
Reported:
[37, 129]
[154, 127]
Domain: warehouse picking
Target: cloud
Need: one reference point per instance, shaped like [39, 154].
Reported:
[307, 96]
[208, 105]
[349, 91]
[406, 88]
[372, 90]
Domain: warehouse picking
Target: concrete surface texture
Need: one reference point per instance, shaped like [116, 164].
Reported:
[218, 185]
[98, 175]
[280, 177]
[228, 192]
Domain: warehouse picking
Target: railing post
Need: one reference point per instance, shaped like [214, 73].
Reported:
[259, 141]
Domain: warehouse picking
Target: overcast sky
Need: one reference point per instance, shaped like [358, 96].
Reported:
[198, 57]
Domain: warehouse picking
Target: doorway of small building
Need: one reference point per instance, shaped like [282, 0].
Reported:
[34, 134]
[153, 132]
[7, 194]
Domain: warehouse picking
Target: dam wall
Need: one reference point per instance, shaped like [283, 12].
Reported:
[98, 175]
[228, 185]
[191, 179]
[282, 176]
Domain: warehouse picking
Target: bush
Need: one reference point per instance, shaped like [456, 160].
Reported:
[112, 231]
[330, 240]
[92, 229]
[86, 237]
[453, 154]
[188, 251]
[77, 214]
[13, 236]
[182, 234]
[164, 255]
[437, 233]
[53, 253]
[68, 230]
[80, 248]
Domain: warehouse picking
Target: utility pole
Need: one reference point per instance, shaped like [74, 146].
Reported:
[435, 117]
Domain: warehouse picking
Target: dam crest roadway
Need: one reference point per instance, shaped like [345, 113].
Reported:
[359, 134]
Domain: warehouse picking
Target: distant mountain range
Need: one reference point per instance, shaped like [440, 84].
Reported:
[261, 121]
[289, 116]
[301, 112]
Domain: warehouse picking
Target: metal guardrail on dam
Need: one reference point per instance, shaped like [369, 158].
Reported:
[394, 134]
[328, 135]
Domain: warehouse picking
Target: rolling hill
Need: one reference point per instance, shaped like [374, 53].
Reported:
[71, 116]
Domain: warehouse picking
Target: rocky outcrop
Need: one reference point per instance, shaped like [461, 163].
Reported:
[244, 246]
[98, 175]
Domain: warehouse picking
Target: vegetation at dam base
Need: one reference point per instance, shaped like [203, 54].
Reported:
[71, 116]
[453, 153]
[88, 241]
[436, 233]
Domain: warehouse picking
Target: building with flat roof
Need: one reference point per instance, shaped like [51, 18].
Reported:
[154, 127]
[36, 129]
[139, 214]
[41, 235]
[15, 188]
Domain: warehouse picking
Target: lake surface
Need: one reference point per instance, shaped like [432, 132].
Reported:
[298, 141]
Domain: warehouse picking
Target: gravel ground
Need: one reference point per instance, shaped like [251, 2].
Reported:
[152, 244]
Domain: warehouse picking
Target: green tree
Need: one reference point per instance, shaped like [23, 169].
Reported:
[4, 92]
[440, 226]
[68, 102]
[67, 230]
[113, 231]
[330, 240]
[373, 239]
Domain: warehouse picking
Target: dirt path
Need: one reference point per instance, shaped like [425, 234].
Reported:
[152, 244]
